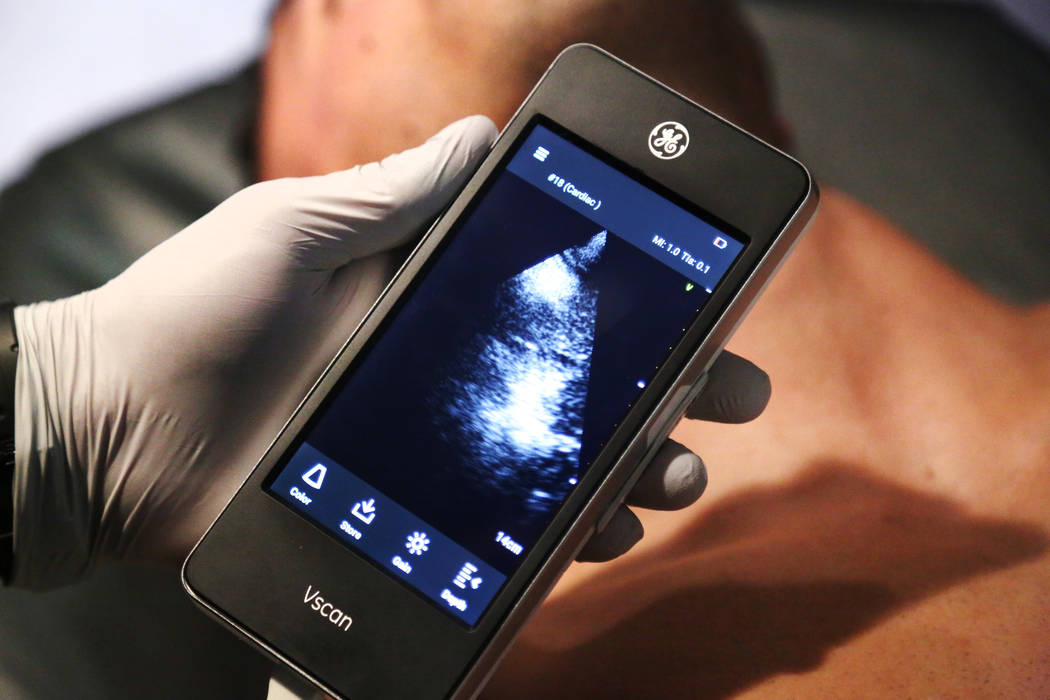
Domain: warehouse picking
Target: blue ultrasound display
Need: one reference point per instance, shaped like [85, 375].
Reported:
[455, 437]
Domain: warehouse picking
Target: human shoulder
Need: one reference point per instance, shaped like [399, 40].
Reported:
[88, 208]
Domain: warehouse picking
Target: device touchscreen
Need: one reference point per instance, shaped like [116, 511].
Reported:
[456, 435]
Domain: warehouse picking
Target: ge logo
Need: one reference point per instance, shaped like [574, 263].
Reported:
[668, 140]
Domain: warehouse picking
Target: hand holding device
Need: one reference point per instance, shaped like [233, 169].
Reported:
[540, 343]
[144, 404]
[735, 391]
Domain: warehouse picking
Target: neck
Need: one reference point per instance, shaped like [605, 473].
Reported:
[898, 362]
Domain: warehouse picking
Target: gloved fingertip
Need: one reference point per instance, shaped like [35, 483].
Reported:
[380, 205]
[477, 128]
[674, 479]
[623, 531]
[450, 153]
[684, 481]
[737, 391]
[422, 179]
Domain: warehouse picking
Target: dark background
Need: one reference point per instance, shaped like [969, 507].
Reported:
[380, 425]
[933, 112]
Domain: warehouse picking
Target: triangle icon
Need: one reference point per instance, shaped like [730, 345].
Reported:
[314, 476]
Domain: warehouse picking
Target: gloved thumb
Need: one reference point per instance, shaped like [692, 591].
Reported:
[369, 208]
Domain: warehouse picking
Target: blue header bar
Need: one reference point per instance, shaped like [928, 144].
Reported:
[625, 207]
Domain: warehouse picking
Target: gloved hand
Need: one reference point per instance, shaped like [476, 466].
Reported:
[141, 406]
[737, 391]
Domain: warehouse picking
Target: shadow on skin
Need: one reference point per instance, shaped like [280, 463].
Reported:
[766, 582]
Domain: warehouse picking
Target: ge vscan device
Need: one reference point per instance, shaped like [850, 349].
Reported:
[506, 390]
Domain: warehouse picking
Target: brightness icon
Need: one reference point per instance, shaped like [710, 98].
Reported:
[417, 543]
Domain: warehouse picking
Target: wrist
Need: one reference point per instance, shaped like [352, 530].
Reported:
[52, 538]
[8, 367]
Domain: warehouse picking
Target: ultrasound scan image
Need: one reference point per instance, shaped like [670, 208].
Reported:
[514, 400]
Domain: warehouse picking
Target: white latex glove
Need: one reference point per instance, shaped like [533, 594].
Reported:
[141, 406]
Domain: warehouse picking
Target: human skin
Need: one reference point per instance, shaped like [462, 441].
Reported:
[880, 530]
[349, 82]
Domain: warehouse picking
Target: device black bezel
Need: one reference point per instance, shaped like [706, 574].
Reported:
[359, 355]
[257, 530]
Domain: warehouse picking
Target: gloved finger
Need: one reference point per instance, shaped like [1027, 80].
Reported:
[674, 479]
[737, 391]
[623, 531]
[354, 213]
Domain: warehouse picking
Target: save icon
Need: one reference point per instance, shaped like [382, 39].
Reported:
[365, 511]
